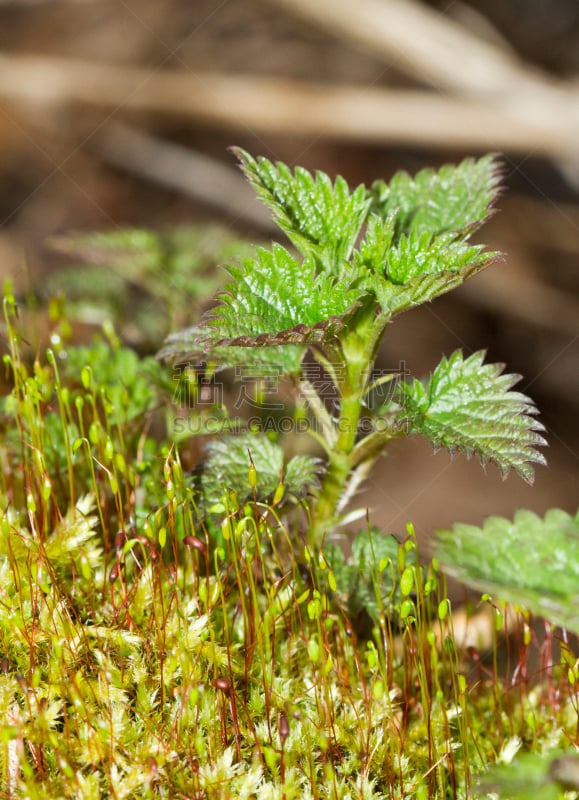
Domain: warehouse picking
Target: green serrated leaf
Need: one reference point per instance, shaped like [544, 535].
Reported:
[468, 405]
[300, 474]
[419, 255]
[183, 346]
[405, 262]
[322, 219]
[228, 462]
[374, 250]
[452, 199]
[529, 776]
[424, 288]
[530, 561]
[446, 270]
[419, 269]
[275, 300]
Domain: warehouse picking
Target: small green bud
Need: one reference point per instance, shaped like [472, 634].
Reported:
[162, 537]
[252, 476]
[406, 609]
[93, 432]
[401, 559]
[304, 596]
[278, 496]
[443, 609]
[407, 581]
[332, 581]
[314, 650]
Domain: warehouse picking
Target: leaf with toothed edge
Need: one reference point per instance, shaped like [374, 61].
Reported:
[417, 256]
[275, 300]
[228, 463]
[418, 269]
[467, 405]
[453, 199]
[183, 346]
[416, 245]
[322, 219]
[531, 561]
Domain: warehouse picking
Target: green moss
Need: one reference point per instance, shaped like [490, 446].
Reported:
[144, 653]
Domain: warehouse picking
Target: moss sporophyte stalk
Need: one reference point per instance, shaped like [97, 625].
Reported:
[186, 627]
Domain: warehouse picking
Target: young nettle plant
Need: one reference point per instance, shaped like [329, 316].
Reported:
[363, 256]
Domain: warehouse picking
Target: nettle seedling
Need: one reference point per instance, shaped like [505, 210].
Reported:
[362, 256]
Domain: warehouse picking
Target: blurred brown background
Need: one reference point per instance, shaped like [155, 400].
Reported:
[120, 112]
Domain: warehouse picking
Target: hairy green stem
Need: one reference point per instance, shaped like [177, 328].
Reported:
[353, 362]
[339, 467]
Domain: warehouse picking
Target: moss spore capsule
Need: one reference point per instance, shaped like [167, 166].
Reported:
[378, 690]
[407, 581]
[443, 609]
[252, 476]
[223, 685]
[406, 609]
[284, 728]
[86, 377]
[195, 543]
[278, 496]
[332, 581]
[314, 650]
